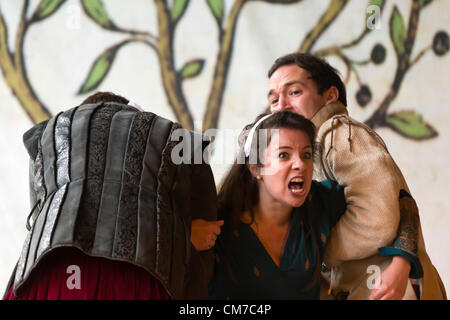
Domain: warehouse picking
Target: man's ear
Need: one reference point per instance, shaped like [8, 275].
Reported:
[331, 95]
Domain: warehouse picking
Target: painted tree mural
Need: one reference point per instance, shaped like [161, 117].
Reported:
[169, 13]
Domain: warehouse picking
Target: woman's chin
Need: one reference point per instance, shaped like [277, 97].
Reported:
[297, 202]
[298, 197]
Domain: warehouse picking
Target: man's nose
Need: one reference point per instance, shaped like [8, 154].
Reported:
[283, 103]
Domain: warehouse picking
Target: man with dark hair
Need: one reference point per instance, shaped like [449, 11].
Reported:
[321, 73]
[109, 202]
[105, 96]
[379, 203]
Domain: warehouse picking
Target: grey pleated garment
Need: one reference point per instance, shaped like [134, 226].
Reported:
[103, 181]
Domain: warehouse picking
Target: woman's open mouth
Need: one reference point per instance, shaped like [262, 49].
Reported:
[296, 185]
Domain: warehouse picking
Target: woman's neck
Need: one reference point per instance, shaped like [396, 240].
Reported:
[271, 224]
[272, 213]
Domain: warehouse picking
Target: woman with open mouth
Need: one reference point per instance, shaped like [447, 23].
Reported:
[277, 220]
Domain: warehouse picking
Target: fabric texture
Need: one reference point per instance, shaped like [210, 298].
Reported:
[357, 158]
[99, 279]
[103, 181]
[254, 275]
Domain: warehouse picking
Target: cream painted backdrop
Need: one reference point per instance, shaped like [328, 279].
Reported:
[55, 53]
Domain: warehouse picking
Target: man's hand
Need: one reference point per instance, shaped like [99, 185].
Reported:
[393, 280]
[204, 233]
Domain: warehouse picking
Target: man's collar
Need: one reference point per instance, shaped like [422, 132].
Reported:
[328, 111]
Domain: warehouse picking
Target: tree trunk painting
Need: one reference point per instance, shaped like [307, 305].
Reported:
[407, 123]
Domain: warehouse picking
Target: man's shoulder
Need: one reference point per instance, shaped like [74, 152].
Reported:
[343, 133]
[340, 124]
[342, 120]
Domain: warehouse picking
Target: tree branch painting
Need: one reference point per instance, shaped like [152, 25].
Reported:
[402, 35]
[12, 63]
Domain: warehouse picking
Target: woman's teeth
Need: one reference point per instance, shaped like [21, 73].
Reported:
[296, 185]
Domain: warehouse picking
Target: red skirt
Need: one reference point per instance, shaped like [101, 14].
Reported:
[69, 274]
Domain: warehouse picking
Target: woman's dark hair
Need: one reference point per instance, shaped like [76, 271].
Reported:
[321, 72]
[100, 96]
[238, 191]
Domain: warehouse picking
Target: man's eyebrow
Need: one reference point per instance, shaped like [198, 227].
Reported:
[290, 83]
[287, 84]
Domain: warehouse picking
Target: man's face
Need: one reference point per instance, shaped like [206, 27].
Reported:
[291, 89]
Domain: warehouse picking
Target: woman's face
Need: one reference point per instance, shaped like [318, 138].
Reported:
[288, 168]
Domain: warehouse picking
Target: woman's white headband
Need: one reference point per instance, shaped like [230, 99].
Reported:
[248, 142]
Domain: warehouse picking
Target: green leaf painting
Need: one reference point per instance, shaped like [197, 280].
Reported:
[45, 9]
[99, 69]
[397, 31]
[178, 8]
[401, 32]
[97, 12]
[423, 3]
[410, 125]
[192, 68]
[217, 8]
[378, 3]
